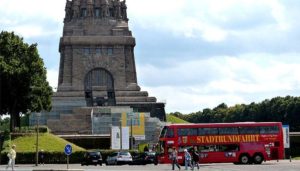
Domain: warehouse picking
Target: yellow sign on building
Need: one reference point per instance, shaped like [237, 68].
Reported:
[137, 122]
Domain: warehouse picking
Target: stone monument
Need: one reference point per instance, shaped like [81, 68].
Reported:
[97, 64]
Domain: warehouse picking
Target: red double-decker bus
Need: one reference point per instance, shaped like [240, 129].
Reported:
[241, 142]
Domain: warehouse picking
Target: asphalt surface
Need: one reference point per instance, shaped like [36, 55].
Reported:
[282, 165]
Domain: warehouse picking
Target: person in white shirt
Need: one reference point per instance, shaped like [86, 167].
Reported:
[187, 160]
[12, 157]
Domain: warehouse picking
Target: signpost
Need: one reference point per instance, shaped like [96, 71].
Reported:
[286, 138]
[68, 152]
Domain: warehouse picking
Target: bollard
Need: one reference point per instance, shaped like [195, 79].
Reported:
[290, 158]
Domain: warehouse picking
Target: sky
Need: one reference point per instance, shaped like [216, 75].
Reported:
[190, 54]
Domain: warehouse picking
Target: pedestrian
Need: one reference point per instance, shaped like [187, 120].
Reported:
[42, 156]
[12, 157]
[174, 158]
[187, 160]
[195, 158]
[146, 149]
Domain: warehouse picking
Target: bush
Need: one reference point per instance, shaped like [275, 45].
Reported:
[49, 157]
[54, 157]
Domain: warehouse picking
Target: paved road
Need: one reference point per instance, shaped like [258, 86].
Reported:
[283, 165]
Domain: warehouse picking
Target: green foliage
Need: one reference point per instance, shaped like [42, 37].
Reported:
[55, 157]
[48, 142]
[31, 129]
[278, 109]
[173, 119]
[49, 157]
[23, 78]
[52, 146]
[4, 124]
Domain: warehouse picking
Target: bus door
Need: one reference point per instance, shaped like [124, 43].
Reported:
[165, 151]
[274, 153]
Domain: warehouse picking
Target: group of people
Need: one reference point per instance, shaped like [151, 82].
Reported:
[191, 159]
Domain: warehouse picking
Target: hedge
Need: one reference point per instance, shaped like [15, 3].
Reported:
[54, 157]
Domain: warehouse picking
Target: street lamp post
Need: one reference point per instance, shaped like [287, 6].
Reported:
[37, 139]
[121, 142]
[131, 134]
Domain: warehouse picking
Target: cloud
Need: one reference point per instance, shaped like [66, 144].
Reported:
[229, 79]
[192, 54]
[210, 20]
[36, 21]
[22, 10]
[52, 77]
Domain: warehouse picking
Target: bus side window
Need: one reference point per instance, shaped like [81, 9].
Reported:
[170, 133]
[229, 147]
[203, 148]
[212, 148]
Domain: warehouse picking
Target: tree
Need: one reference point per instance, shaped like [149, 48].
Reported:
[23, 83]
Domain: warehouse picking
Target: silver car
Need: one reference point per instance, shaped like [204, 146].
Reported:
[116, 158]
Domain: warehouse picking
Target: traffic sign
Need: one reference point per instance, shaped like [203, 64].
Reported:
[68, 149]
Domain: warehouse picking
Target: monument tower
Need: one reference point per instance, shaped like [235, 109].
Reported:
[97, 65]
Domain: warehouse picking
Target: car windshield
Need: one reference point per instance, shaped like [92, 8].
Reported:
[125, 153]
[94, 153]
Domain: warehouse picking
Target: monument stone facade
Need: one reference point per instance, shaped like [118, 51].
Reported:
[97, 63]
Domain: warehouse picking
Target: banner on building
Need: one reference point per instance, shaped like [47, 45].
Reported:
[115, 138]
[125, 138]
[286, 136]
[136, 122]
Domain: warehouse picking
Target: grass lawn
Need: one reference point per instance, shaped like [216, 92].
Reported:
[174, 119]
[48, 142]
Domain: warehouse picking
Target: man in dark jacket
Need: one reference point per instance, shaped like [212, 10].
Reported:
[195, 157]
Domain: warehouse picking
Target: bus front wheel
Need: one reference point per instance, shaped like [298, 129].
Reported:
[244, 159]
[258, 158]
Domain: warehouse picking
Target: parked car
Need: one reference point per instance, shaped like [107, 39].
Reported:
[116, 158]
[92, 158]
[145, 158]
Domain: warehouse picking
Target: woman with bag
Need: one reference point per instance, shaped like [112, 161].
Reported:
[187, 159]
[12, 157]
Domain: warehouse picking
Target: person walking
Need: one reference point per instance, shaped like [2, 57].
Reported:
[195, 158]
[174, 158]
[41, 157]
[12, 157]
[187, 160]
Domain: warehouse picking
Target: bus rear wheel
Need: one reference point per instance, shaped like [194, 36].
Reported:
[258, 159]
[244, 159]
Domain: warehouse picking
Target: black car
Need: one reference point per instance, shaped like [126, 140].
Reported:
[92, 158]
[145, 158]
